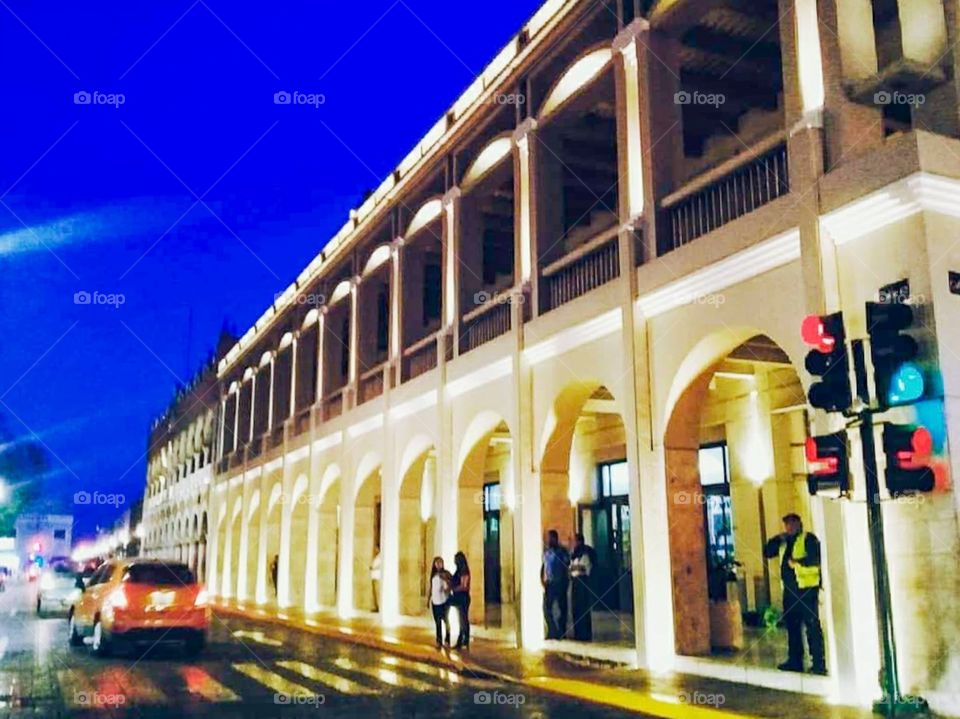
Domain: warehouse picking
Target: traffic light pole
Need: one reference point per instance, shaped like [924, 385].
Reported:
[893, 703]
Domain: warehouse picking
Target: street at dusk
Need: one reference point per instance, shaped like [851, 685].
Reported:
[524, 358]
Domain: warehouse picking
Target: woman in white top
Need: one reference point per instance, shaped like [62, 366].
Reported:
[440, 598]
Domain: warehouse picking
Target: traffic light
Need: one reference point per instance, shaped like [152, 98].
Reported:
[828, 360]
[898, 380]
[828, 463]
[908, 450]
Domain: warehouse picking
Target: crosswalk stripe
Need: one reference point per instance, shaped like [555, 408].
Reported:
[202, 685]
[422, 668]
[387, 676]
[272, 680]
[335, 681]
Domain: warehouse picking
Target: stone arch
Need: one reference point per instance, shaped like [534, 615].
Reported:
[417, 522]
[252, 570]
[486, 496]
[366, 532]
[579, 75]
[736, 410]
[300, 502]
[327, 506]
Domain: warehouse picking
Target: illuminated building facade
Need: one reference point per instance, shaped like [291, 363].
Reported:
[576, 305]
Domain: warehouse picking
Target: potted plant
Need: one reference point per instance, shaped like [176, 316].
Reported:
[726, 617]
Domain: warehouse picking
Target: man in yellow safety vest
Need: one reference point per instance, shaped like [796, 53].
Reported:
[799, 554]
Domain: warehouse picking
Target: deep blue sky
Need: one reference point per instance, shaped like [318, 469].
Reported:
[100, 198]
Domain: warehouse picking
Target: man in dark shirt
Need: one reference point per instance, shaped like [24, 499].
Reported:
[555, 577]
[799, 554]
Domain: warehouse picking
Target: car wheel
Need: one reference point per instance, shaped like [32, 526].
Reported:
[194, 645]
[39, 606]
[75, 639]
[100, 643]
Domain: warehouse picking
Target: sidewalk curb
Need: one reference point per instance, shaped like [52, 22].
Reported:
[594, 693]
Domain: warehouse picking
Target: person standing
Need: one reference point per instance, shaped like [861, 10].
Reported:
[440, 581]
[376, 573]
[274, 572]
[583, 561]
[460, 586]
[554, 575]
[799, 554]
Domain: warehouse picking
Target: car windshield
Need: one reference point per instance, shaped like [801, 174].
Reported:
[160, 574]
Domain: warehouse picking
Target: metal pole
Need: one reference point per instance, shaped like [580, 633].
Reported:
[890, 678]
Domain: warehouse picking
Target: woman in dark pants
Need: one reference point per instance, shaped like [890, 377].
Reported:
[460, 584]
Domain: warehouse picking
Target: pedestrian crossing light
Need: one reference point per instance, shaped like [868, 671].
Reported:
[908, 450]
[899, 381]
[828, 463]
[828, 360]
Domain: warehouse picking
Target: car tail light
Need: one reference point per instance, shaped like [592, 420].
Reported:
[202, 598]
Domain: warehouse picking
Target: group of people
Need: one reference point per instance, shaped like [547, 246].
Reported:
[451, 592]
[564, 571]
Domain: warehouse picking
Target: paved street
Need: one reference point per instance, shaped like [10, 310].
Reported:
[248, 670]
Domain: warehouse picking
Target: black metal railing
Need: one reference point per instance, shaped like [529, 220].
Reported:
[715, 199]
[584, 269]
[420, 357]
[485, 323]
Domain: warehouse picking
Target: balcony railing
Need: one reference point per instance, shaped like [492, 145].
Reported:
[587, 267]
[275, 438]
[371, 384]
[731, 190]
[420, 357]
[487, 322]
[301, 422]
[333, 405]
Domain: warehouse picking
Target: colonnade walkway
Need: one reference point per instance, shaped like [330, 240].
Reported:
[670, 695]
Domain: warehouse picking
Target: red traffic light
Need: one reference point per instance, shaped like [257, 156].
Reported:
[908, 451]
[815, 333]
[921, 447]
[820, 465]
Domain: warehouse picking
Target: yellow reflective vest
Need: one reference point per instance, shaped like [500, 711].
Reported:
[807, 577]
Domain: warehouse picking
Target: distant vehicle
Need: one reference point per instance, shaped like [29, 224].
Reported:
[59, 587]
[140, 601]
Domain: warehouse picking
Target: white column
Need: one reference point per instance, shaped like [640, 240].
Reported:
[525, 189]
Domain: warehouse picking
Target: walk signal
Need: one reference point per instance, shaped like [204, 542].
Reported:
[828, 463]
[898, 380]
[828, 360]
[908, 451]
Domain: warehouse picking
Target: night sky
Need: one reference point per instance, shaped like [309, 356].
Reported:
[182, 194]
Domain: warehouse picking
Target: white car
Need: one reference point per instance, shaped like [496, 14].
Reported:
[58, 588]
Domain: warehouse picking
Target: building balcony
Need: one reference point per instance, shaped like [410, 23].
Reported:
[487, 322]
[420, 357]
[730, 190]
[372, 383]
[587, 267]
